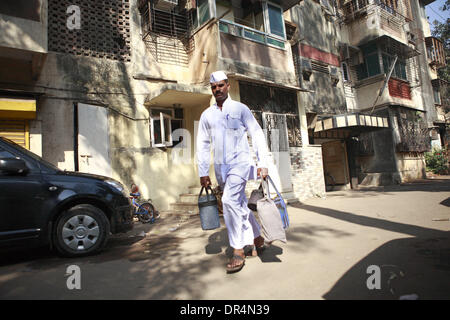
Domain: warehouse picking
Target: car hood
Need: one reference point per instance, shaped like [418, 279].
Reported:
[84, 175]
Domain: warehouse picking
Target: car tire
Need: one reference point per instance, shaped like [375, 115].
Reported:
[82, 230]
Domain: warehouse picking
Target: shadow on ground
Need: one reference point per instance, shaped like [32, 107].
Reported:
[419, 265]
[128, 266]
[218, 242]
[424, 185]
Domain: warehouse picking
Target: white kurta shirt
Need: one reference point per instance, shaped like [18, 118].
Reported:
[226, 130]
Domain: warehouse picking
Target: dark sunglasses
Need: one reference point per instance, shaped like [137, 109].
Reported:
[220, 85]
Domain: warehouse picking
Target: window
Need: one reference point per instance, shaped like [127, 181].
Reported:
[399, 69]
[163, 122]
[436, 95]
[6, 154]
[276, 22]
[201, 14]
[371, 66]
[16, 130]
[345, 75]
[259, 21]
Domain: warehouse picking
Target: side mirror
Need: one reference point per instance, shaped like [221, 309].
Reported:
[13, 166]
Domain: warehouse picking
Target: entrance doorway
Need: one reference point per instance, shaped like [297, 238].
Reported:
[93, 140]
[335, 165]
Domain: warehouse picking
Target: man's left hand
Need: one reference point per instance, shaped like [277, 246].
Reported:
[263, 172]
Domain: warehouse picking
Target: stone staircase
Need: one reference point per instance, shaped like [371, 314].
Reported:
[187, 204]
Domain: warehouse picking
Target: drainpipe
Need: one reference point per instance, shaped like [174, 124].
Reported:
[386, 81]
[75, 137]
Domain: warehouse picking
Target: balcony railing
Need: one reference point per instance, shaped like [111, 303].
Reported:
[245, 32]
[353, 9]
[435, 52]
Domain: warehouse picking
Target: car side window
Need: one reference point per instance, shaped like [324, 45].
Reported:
[6, 154]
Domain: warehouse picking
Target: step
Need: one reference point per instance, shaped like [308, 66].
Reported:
[195, 190]
[189, 198]
[166, 213]
[186, 207]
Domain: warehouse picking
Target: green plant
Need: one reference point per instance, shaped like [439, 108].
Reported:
[437, 161]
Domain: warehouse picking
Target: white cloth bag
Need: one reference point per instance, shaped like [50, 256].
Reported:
[269, 217]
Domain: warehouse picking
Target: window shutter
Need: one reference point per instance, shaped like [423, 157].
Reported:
[15, 130]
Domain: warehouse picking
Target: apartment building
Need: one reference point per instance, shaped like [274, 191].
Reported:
[370, 66]
[105, 87]
[102, 87]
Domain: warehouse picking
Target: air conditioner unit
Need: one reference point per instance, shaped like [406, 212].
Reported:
[334, 75]
[305, 64]
[306, 68]
[166, 5]
[334, 72]
[344, 51]
[411, 37]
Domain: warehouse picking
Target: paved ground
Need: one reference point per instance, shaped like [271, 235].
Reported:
[404, 230]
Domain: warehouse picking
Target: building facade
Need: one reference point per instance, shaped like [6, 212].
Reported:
[106, 87]
[370, 67]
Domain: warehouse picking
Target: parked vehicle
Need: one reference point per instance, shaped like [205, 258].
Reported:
[41, 205]
[143, 210]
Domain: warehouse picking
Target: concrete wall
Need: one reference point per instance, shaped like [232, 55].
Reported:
[251, 52]
[411, 166]
[376, 24]
[307, 172]
[319, 34]
[314, 29]
[67, 79]
[368, 90]
[425, 75]
[25, 34]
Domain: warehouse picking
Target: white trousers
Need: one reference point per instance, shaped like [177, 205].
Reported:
[241, 224]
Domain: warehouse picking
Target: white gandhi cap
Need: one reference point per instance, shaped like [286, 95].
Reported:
[217, 76]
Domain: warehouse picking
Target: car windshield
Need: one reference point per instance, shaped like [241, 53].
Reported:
[30, 154]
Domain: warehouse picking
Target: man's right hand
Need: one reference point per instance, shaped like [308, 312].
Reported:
[205, 181]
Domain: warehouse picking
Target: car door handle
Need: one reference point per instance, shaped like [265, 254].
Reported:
[53, 188]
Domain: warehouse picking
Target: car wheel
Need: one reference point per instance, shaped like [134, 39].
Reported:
[81, 230]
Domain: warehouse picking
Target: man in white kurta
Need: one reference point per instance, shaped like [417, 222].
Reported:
[224, 126]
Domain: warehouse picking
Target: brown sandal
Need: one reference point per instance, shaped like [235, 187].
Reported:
[238, 267]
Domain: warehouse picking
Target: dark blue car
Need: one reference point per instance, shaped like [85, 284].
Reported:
[41, 205]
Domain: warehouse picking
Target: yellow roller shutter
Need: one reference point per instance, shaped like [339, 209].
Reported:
[23, 108]
[16, 130]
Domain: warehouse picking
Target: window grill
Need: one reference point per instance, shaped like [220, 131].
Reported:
[104, 30]
[274, 108]
[167, 33]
